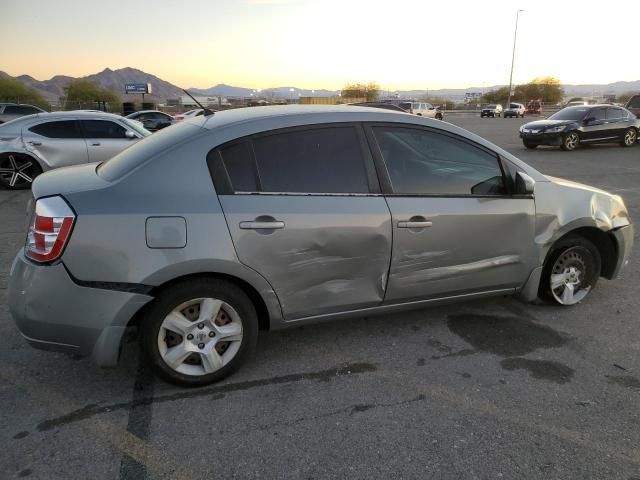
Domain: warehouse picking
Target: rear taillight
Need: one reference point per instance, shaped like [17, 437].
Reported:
[49, 229]
[411, 110]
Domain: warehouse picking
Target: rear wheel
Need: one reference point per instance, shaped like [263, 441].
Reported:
[199, 332]
[18, 171]
[630, 137]
[571, 271]
[570, 141]
[438, 116]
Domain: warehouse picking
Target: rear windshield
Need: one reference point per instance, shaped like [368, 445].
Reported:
[514, 105]
[137, 154]
[634, 102]
[570, 113]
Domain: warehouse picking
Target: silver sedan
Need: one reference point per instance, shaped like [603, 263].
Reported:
[272, 217]
[33, 144]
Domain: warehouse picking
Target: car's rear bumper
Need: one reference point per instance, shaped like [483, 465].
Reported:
[54, 313]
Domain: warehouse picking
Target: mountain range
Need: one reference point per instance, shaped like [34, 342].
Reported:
[114, 80]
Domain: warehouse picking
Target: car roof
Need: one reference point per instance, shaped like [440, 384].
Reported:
[71, 115]
[146, 111]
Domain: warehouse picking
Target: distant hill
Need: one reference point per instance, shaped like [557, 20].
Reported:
[114, 80]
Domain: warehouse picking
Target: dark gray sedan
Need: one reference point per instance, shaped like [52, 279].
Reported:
[265, 218]
[585, 124]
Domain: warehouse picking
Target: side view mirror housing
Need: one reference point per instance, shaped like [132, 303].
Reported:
[525, 185]
[129, 134]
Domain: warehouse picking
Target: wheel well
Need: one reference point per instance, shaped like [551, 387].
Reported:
[252, 293]
[603, 242]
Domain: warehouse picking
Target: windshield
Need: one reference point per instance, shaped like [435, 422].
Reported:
[136, 127]
[514, 105]
[570, 113]
[490, 106]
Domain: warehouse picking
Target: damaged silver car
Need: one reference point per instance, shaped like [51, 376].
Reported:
[265, 218]
[37, 143]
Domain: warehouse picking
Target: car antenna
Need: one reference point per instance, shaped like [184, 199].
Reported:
[206, 111]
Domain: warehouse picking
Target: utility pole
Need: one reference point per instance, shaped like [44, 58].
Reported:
[513, 56]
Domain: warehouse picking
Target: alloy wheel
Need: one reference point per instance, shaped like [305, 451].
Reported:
[571, 141]
[200, 336]
[569, 278]
[17, 171]
[630, 137]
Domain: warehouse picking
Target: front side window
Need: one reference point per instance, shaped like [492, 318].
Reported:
[102, 129]
[614, 114]
[61, 129]
[423, 162]
[319, 160]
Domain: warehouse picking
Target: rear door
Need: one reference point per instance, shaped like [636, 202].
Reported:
[617, 121]
[105, 139]
[304, 210]
[456, 228]
[59, 142]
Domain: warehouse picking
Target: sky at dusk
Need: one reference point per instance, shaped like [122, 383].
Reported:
[401, 44]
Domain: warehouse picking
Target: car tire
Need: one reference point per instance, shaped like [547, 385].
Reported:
[212, 324]
[570, 141]
[18, 171]
[438, 116]
[530, 146]
[571, 271]
[629, 138]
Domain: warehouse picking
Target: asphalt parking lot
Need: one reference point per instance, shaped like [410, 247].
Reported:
[481, 390]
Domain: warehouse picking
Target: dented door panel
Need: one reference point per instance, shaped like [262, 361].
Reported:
[324, 254]
[471, 245]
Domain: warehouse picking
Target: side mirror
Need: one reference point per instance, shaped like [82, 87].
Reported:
[129, 134]
[525, 185]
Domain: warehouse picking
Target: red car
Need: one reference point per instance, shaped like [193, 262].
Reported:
[534, 106]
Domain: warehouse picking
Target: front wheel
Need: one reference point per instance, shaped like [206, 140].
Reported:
[18, 171]
[570, 141]
[630, 137]
[571, 271]
[199, 332]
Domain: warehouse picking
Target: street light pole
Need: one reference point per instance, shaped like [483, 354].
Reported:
[513, 56]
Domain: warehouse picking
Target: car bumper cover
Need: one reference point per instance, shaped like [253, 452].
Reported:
[54, 313]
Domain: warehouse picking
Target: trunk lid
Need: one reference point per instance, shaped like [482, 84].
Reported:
[66, 180]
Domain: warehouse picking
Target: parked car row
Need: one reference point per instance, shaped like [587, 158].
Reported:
[282, 216]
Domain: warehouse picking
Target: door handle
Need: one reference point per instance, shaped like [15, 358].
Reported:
[95, 144]
[253, 225]
[414, 224]
[35, 144]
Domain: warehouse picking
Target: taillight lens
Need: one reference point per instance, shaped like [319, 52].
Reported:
[49, 229]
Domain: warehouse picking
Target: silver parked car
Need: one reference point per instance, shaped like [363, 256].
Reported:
[11, 111]
[36, 143]
[266, 218]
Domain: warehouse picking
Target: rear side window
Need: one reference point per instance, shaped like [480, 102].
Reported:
[422, 162]
[61, 129]
[598, 113]
[102, 129]
[405, 105]
[317, 161]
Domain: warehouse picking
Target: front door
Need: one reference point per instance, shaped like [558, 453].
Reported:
[304, 210]
[104, 139]
[456, 229]
[596, 128]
